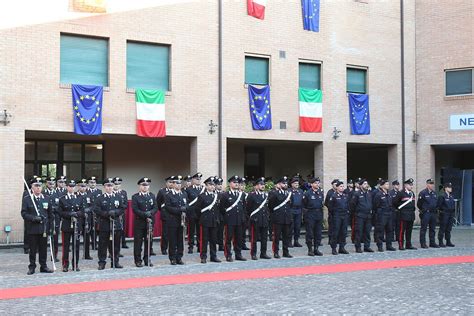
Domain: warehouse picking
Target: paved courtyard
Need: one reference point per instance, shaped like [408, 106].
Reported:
[437, 289]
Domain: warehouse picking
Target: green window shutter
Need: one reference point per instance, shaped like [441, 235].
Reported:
[356, 80]
[148, 66]
[256, 70]
[84, 60]
[310, 76]
[459, 82]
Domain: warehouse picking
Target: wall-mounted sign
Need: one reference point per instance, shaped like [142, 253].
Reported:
[461, 122]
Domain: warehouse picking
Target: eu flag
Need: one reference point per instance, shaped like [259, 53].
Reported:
[87, 109]
[359, 114]
[259, 103]
[310, 14]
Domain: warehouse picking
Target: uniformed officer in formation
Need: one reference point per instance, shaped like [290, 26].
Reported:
[208, 214]
[232, 207]
[50, 191]
[144, 209]
[220, 229]
[258, 214]
[192, 224]
[395, 214]
[339, 209]
[93, 193]
[313, 202]
[405, 203]
[245, 224]
[296, 206]
[427, 204]
[88, 217]
[118, 191]
[59, 192]
[160, 202]
[383, 207]
[176, 206]
[329, 194]
[281, 217]
[446, 207]
[108, 209]
[361, 204]
[71, 210]
[37, 212]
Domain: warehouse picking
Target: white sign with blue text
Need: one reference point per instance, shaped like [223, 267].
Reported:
[461, 122]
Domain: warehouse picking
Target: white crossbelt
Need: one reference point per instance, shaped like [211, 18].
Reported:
[283, 203]
[259, 208]
[207, 208]
[194, 201]
[406, 202]
[235, 203]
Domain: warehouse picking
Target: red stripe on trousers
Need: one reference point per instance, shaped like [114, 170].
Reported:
[62, 248]
[200, 240]
[226, 251]
[400, 237]
[252, 233]
[273, 239]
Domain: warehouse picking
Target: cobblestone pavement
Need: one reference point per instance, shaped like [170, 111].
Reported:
[439, 290]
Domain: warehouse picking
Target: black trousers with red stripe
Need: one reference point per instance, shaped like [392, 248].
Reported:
[68, 242]
[404, 234]
[282, 231]
[208, 235]
[258, 234]
[232, 234]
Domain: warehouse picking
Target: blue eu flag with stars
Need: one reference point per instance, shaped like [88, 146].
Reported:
[87, 109]
[359, 114]
[310, 14]
[260, 112]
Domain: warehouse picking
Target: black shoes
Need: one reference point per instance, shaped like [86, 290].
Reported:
[412, 248]
[297, 244]
[88, 258]
[229, 259]
[368, 250]
[179, 261]
[424, 246]
[216, 260]
[276, 255]
[254, 257]
[30, 271]
[311, 253]
[139, 264]
[434, 246]
[148, 265]
[449, 244]
[343, 251]
[240, 258]
[287, 255]
[65, 269]
[173, 262]
[101, 266]
[125, 247]
[380, 248]
[264, 256]
[358, 250]
[317, 252]
[334, 251]
[203, 260]
[391, 249]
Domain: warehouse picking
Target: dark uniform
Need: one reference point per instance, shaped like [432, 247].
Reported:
[54, 231]
[208, 214]
[313, 217]
[93, 195]
[446, 208]
[339, 208]
[296, 208]
[192, 193]
[407, 216]
[176, 204]
[281, 217]
[56, 227]
[383, 207]
[220, 228]
[160, 202]
[38, 227]
[326, 203]
[124, 205]
[395, 213]
[232, 208]
[144, 208]
[361, 203]
[108, 209]
[71, 209]
[427, 204]
[88, 221]
[258, 213]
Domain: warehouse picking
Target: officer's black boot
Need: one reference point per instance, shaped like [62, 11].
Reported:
[358, 250]
[297, 243]
[310, 250]
[434, 245]
[423, 245]
[368, 249]
[190, 250]
[254, 257]
[334, 251]
[101, 266]
[264, 256]
[276, 255]
[286, 254]
[441, 243]
[343, 250]
[30, 271]
[449, 244]
[380, 248]
[239, 257]
[317, 252]
[203, 260]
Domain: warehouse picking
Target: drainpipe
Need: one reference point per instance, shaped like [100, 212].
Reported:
[402, 71]
[219, 122]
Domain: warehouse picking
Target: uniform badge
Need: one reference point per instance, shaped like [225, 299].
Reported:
[184, 200]
[88, 200]
[151, 202]
[56, 200]
[116, 203]
[45, 205]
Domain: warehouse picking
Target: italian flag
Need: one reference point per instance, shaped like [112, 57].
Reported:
[311, 110]
[256, 8]
[150, 113]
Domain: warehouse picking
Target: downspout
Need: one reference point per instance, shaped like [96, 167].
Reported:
[402, 71]
[219, 122]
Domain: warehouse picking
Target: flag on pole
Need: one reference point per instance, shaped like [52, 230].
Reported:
[311, 110]
[310, 14]
[87, 108]
[256, 8]
[150, 113]
[359, 114]
[260, 112]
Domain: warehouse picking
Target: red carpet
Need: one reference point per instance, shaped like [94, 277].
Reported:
[123, 284]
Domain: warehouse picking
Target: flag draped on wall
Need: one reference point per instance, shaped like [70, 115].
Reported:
[311, 110]
[150, 113]
[87, 108]
[310, 14]
[256, 8]
[260, 112]
[359, 114]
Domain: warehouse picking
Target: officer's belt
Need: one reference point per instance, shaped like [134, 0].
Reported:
[207, 208]
[195, 200]
[235, 203]
[283, 203]
[259, 207]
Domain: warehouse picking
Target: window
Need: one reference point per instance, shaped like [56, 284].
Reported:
[310, 76]
[84, 60]
[148, 66]
[256, 70]
[459, 82]
[75, 160]
[356, 80]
